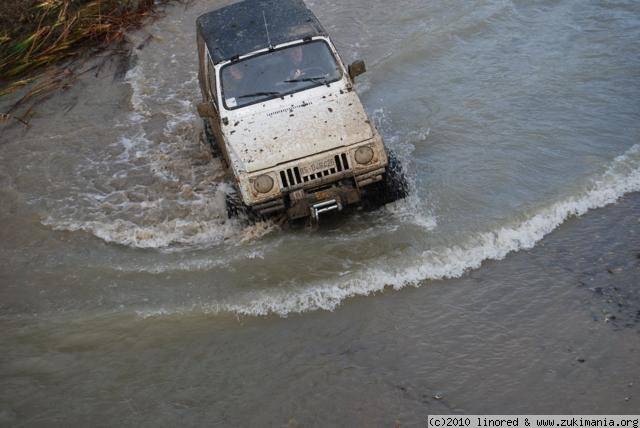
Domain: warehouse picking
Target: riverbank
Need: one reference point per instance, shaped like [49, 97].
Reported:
[43, 41]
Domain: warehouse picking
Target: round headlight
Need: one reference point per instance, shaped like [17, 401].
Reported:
[364, 155]
[263, 184]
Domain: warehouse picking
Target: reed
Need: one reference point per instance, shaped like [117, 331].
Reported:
[36, 34]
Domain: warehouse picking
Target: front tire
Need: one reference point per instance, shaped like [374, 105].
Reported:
[391, 188]
[209, 139]
[236, 208]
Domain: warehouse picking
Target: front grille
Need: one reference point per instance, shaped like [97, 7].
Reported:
[291, 177]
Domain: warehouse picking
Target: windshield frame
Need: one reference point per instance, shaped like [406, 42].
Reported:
[333, 52]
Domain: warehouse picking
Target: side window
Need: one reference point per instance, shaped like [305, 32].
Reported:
[212, 79]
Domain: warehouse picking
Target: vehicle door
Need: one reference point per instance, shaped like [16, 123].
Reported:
[212, 98]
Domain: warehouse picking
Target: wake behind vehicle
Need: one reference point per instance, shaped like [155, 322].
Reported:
[280, 110]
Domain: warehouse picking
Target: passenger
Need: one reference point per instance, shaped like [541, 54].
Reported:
[236, 85]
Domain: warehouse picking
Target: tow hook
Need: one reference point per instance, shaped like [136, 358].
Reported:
[323, 207]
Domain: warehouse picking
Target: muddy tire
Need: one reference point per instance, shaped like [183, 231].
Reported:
[395, 182]
[210, 140]
[236, 208]
[392, 187]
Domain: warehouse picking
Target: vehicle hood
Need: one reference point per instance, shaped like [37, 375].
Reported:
[310, 122]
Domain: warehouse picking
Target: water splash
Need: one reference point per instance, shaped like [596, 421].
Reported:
[620, 178]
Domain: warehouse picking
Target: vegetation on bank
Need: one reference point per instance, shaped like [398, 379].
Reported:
[38, 34]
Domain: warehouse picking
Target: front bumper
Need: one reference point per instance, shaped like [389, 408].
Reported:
[331, 195]
[303, 204]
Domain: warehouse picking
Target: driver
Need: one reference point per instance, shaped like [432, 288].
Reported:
[301, 63]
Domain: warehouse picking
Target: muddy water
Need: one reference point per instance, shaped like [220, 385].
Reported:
[128, 297]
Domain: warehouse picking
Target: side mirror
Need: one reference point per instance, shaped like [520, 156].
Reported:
[206, 110]
[356, 69]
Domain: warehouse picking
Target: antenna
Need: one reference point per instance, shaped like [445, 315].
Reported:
[266, 29]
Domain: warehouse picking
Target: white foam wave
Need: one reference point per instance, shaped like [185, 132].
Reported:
[172, 232]
[623, 176]
[140, 88]
[184, 203]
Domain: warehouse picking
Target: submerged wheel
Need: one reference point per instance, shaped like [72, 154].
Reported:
[392, 187]
[396, 186]
[209, 139]
[236, 208]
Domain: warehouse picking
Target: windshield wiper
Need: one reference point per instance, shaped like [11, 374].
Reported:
[259, 94]
[308, 79]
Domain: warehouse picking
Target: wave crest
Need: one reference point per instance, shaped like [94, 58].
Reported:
[622, 177]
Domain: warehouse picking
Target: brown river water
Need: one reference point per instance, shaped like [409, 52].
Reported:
[508, 282]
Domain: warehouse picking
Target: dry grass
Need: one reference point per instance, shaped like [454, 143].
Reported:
[38, 34]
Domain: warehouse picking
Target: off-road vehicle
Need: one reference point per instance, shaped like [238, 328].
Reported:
[279, 108]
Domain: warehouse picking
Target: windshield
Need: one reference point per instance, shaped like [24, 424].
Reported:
[278, 73]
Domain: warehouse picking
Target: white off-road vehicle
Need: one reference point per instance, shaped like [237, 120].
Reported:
[279, 108]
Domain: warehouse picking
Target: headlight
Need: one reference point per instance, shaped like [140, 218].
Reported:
[364, 155]
[263, 184]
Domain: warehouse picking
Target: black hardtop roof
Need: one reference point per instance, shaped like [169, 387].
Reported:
[239, 29]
